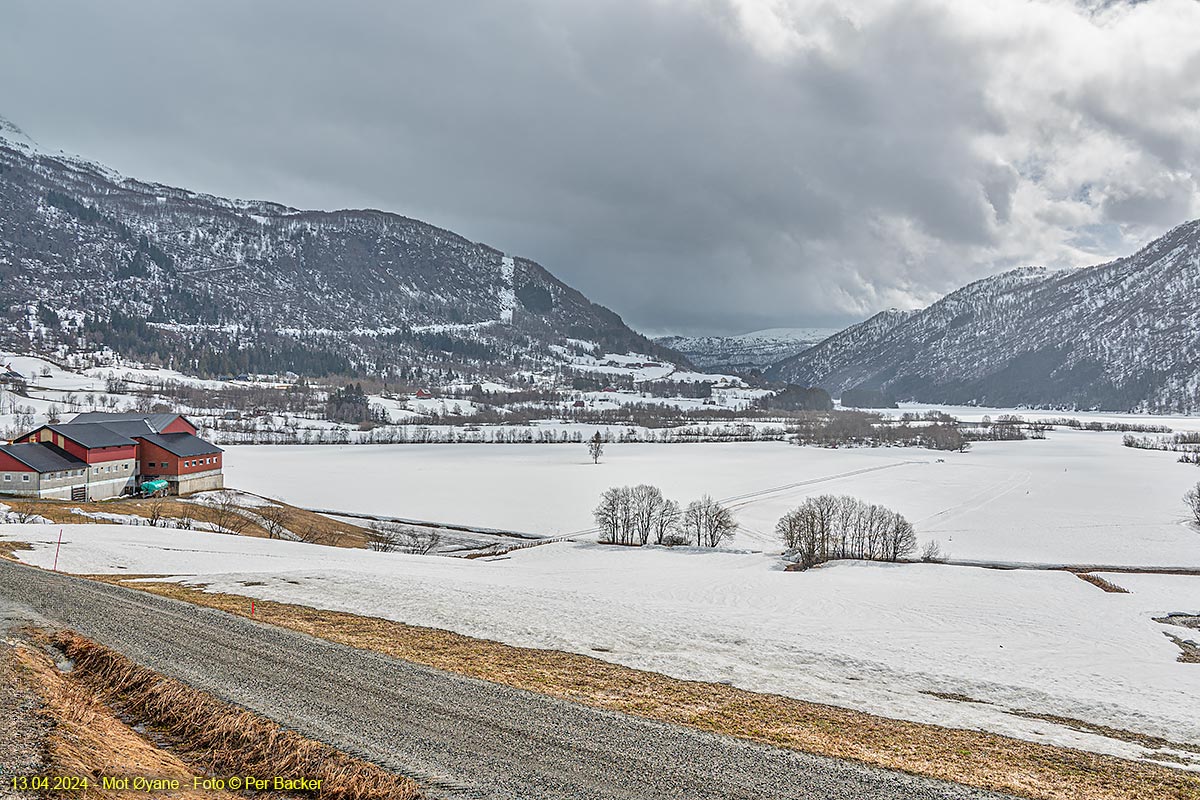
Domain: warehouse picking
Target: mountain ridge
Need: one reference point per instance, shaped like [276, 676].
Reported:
[213, 284]
[1117, 336]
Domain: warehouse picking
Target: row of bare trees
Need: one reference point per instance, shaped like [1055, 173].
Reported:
[392, 537]
[640, 515]
[829, 527]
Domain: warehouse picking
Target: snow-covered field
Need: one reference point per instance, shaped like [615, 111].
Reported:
[870, 636]
[1076, 497]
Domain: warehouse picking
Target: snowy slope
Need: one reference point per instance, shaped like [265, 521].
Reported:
[231, 286]
[874, 637]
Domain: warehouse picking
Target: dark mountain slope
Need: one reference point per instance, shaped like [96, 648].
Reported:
[1118, 336]
[88, 257]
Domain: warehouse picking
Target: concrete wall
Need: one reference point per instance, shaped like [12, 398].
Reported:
[22, 483]
[197, 482]
[111, 478]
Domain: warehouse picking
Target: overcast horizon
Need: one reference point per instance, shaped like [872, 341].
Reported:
[699, 167]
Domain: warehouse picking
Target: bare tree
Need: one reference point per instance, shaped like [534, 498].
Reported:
[596, 448]
[614, 516]
[273, 520]
[155, 509]
[707, 522]
[226, 513]
[312, 533]
[422, 541]
[665, 522]
[1192, 498]
[22, 512]
[383, 537]
[389, 537]
[932, 554]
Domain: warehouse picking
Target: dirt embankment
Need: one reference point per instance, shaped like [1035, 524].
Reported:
[77, 726]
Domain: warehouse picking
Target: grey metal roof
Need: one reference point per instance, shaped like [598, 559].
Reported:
[182, 444]
[91, 434]
[156, 421]
[42, 457]
[133, 428]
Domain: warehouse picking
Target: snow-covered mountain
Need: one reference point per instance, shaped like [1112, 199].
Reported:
[747, 351]
[1117, 336]
[211, 285]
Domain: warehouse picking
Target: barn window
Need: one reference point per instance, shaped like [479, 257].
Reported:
[25, 477]
[8, 477]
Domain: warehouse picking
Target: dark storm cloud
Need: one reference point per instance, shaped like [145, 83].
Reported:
[703, 166]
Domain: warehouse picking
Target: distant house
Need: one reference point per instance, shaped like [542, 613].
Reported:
[424, 394]
[579, 404]
[100, 455]
[10, 377]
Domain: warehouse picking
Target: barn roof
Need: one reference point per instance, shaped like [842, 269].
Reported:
[156, 421]
[182, 444]
[91, 434]
[42, 457]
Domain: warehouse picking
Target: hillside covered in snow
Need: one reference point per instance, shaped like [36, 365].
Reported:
[747, 351]
[211, 286]
[1117, 336]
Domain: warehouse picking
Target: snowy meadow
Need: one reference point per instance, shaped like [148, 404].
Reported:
[1034, 652]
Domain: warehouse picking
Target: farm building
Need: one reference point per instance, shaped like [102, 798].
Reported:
[100, 455]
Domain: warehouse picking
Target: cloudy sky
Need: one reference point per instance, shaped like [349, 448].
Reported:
[698, 165]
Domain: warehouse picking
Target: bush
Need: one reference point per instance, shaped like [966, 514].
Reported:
[932, 554]
[1192, 499]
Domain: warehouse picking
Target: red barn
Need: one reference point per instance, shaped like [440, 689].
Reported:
[99, 455]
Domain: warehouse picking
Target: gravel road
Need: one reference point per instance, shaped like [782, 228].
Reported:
[462, 738]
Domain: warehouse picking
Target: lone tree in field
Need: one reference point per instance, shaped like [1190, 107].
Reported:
[1192, 498]
[596, 448]
[706, 522]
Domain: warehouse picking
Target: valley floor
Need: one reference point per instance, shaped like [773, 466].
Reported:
[1076, 497]
[1036, 654]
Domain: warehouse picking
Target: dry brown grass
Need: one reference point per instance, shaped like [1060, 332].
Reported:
[973, 758]
[1096, 580]
[221, 739]
[325, 530]
[7, 549]
[87, 740]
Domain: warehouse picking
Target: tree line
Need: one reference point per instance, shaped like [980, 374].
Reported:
[641, 515]
[830, 527]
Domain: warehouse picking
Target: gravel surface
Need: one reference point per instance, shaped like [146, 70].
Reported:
[462, 738]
